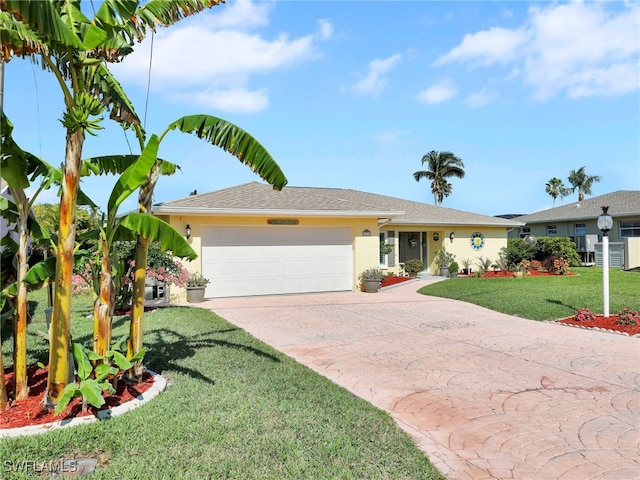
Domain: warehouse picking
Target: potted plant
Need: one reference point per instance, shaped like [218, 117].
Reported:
[371, 279]
[443, 260]
[453, 269]
[466, 266]
[196, 285]
[413, 266]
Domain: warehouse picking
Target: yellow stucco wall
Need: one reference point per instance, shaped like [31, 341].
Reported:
[365, 248]
[495, 238]
[365, 254]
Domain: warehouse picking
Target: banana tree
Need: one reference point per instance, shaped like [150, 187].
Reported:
[19, 169]
[219, 133]
[76, 50]
[115, 228]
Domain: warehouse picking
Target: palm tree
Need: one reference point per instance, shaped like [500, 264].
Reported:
[76, 50]
[441, 165]
[556, 189]
[583, 182]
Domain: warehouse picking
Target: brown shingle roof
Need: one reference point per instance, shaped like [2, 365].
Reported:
[620, 203]
[258, 198]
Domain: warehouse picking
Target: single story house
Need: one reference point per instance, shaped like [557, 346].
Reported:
[579, 221]
[253, 240]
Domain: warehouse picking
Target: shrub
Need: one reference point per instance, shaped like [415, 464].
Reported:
[556, 265]
[557, 247]
[197, 280]
[454, 267]
[535, 265]
[484, 264]
[372, 274]
[518, 250]
[443, 258]
[413, 265]
[584, 315]
[626, 316]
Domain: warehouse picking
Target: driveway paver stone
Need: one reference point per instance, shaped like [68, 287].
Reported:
[484, 395]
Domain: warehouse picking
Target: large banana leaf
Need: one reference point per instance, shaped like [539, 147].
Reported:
[47, 28]
[157, 230]
[237, 142]
[132, 177]
[116, 164]
[40, 273]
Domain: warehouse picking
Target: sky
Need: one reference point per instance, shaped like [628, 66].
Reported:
[352, 94]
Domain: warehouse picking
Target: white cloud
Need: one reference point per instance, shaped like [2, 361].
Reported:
[374, 82]
[438, 93]
[389, 136]
[580, 49]
[241, 14]
[228, 100]
[216, 53]
[481, 98]
[486, 47]
[326, 29]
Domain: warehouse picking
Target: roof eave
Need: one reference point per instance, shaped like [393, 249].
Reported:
[454, 223]
[273, 212]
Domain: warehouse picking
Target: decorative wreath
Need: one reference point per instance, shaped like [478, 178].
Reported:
[477, 241]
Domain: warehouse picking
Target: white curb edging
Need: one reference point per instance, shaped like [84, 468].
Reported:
[159, 385]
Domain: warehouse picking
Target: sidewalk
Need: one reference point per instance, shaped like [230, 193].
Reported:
[485, 395]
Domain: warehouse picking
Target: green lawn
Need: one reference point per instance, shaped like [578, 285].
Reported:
[544, 298]
[234, 408]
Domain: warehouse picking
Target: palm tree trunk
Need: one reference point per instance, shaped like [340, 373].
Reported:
[20, 318]
[61, 316]
[104, 304]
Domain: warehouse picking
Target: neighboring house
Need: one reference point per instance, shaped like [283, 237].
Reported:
[253, 240]
[578, 220]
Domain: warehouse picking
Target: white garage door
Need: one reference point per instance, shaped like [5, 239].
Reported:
[242, 261]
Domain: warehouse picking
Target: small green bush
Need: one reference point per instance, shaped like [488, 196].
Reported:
[372, 274]
[413, 265]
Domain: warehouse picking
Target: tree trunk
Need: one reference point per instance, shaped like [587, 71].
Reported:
[20, 318]
[3, 385]
[136, 325]
[61, 316]
[580, 195]
[104, 304]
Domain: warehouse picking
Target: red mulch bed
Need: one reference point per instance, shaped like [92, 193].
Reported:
[30, 411]
[391, 280]
[608, 323]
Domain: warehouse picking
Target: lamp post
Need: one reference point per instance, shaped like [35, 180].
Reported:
[605, 223]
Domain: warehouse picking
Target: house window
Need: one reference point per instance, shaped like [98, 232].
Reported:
[629, 228]
[581, 228]
[524, 231]
[552, 230]
[383, 257]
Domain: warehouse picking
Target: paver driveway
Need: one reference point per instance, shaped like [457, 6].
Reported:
[485, 395]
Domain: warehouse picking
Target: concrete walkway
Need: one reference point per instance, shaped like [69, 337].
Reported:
[485, 395]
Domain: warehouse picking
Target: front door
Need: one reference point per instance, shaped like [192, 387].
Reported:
[410, 246]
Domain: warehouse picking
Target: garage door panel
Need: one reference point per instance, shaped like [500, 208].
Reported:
[261, 261]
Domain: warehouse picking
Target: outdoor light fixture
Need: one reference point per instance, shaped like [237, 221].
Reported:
[436, 236]
[605, 224]
[366, 232]
[452, 236]
[187, 231]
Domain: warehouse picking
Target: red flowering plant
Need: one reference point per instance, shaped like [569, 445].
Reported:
[584, 315]
[161, 266]
[626, 316]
